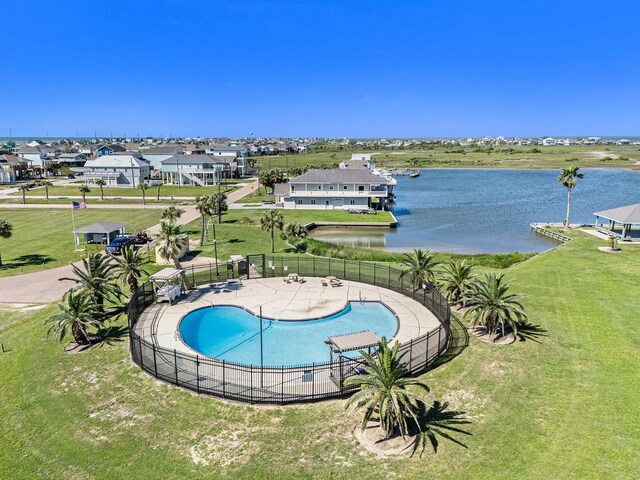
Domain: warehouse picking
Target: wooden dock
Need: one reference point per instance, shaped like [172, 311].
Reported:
[542, 229]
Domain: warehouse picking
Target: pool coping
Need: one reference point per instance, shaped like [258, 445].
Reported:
[197, 352]
[413, 322]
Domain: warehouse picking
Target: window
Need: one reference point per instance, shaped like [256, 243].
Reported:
[293, 188]
[353, 202]
[299, 202]
[330, 187]
[313, 202]
[345, 187]
[361, 188]
[319, 187]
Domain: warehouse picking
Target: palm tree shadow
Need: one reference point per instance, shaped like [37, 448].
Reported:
[459, 342]
[529, 331]
[113, 334]
[436, 421]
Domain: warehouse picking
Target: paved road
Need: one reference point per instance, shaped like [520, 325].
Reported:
[44, 287]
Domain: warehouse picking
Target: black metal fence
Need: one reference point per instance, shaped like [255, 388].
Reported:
[287, 384]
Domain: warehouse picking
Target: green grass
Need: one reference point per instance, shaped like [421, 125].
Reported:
[234, 237]
[42, 238]
[452, 157]
[165, 191]
[257, 196]
[562, 407]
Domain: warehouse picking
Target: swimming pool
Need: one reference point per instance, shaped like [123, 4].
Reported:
[233, 334]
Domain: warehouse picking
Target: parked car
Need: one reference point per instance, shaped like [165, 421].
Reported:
[117, 244]
[71, 176]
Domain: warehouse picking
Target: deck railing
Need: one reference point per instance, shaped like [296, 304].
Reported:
[291, 383]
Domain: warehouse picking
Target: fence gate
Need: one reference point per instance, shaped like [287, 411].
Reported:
[256, 265]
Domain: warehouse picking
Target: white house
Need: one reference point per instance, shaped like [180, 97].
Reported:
[197, 169]
[240, 152]
[155, 155]
[117, 170]
[350, 188]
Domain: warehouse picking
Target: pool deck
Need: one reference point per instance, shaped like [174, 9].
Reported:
[283, 301]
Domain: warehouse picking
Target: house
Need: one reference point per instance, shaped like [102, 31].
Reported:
[74, 159]
[359, 160]
[33, 155]
[349, 188]
[128, 170]
[155, 155]
[240, 152]
[198, 169]
[109, 149]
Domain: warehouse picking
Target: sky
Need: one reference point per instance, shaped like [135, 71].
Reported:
[324, 68]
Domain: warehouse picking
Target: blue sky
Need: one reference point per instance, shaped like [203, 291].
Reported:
[320, 68]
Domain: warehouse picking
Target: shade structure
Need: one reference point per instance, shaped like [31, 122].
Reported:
[100, 232]
[626, 217]
[353, 341]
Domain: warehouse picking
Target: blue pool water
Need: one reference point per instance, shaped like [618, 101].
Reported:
[233, 334]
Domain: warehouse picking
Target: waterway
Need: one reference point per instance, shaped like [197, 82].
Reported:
[488, 211]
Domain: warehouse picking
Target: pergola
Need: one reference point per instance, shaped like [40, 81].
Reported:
[626, 217]
[166, 284]
[340, 344]
[100, 232]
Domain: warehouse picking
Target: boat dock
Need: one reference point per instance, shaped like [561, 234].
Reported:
[543, 229]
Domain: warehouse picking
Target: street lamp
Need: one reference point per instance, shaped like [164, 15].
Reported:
[215, 250]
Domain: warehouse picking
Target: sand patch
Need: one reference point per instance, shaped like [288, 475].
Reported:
[225, 448]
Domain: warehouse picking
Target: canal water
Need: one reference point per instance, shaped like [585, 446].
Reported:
[488, 211]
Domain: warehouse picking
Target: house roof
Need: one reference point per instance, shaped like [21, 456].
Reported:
[28, 149]
[116, 161]
[281, 189]
[8, 158]
[339, 175]
[160, 151]
[193, 158]
[354, 164]
[72, 155]
[628, 214]
[100, 227]
[112, 146]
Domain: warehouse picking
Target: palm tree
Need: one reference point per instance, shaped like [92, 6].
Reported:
[6, 230]
[143, 189]
[24, 189]
[46, 184]
[455, 280]
[219, 205]
[101, 183]
[492, 306]
[97, 278]
[171, 214]
[77, 314]
[382, 390]
[420, 267]
[158, 192]
[204, 205]
[171, 241]
[568, 178]
[295, 230]
[271, 221]
[84, 190]
[129, 267]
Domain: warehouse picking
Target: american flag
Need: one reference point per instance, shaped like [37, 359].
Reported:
[78, 206]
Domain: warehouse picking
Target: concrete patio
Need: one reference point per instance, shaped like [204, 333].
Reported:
[284, 301]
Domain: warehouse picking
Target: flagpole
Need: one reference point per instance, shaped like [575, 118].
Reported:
[73, 222]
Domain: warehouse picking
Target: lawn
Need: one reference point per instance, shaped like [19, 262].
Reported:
[165, 191]
[564, 406]
[42, 238]
[237, 236]
[468, 157]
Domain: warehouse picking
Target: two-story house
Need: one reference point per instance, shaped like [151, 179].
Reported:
[348, 189]
[117, 170]
[197, 169]
[156, 155]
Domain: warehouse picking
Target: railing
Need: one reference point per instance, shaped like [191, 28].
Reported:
[292, 383]
[540, 228]
[337, 193]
